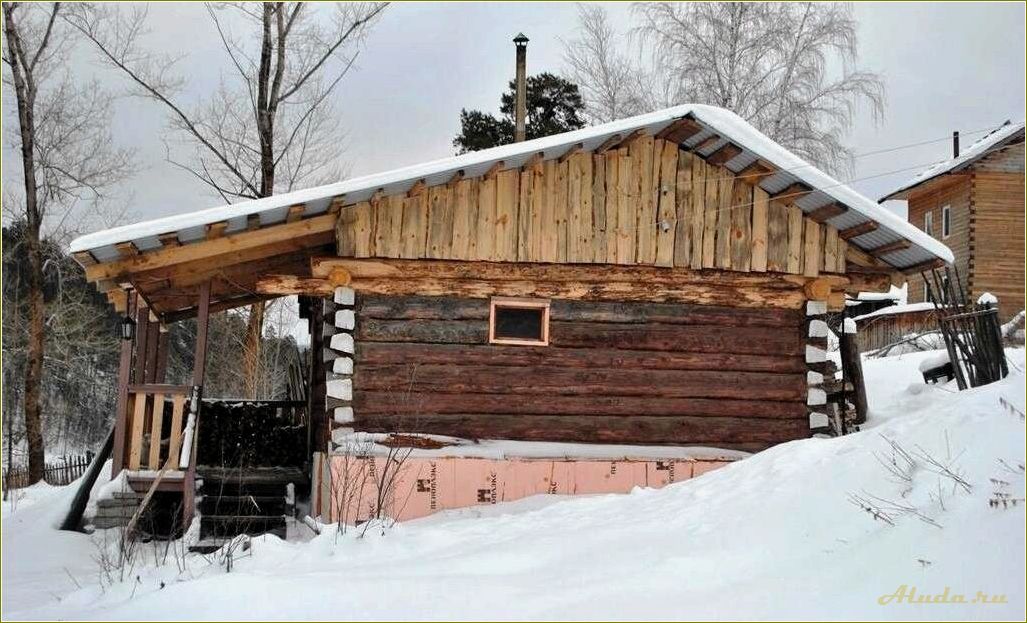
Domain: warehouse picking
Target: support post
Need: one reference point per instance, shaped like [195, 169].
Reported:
[202, 316]
[152, 340]
[142, 335]
[121, 410]
[852, 367]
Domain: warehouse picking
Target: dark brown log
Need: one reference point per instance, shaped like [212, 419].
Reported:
[379, 353]
[852, 371]
[456, 378]
[403, 402]
[452, 308]
[725, 432]
[704, 339]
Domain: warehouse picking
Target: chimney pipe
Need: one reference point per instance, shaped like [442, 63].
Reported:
[520, 95]
[955, 144]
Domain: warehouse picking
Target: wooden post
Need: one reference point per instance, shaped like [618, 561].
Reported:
[852, 368]
[152, 339]
[160, 374]
[316, 378]
[142, 334]
[121, 410]
[202, 314]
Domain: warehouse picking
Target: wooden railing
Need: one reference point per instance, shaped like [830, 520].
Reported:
[157, 416]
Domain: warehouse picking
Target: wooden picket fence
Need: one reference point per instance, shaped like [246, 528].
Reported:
[64, 470]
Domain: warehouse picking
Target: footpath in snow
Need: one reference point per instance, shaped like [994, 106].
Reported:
[928, 498]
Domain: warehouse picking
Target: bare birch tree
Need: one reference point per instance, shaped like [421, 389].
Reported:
[790, 69]
[270, 125]
[611, 85]
[67, 158]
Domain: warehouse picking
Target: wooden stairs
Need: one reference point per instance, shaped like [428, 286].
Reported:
[248, 500]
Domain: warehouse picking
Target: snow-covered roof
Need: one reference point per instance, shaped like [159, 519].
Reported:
[894, 293]
[728, 126]
[1006, 133]
[892, 310]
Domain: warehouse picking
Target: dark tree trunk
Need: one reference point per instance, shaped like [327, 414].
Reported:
[266, 108]
[25, 93]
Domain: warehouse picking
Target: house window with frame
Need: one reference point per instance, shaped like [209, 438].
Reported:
[946, 221]
[519, 321]
[929, 222]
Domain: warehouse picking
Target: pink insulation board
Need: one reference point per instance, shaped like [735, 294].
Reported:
[355, 486]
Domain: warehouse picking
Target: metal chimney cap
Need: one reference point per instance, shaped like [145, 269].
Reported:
[520, 40]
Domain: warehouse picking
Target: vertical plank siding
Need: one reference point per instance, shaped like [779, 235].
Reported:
[646, 203]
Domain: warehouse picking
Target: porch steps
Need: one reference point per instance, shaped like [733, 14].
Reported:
[234, 501]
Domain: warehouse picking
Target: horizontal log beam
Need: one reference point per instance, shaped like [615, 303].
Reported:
[575, 282]
[382, 353]
[288, 285]
[220, 306]
[723, 432]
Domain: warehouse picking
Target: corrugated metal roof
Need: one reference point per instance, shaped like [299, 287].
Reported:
[272, 210]
[1008, 132]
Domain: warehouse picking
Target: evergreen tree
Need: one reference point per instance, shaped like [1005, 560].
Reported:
[553, 106]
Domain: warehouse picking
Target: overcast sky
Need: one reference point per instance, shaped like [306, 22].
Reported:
[946, 66]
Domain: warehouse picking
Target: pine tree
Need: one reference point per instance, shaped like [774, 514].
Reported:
[554, 105]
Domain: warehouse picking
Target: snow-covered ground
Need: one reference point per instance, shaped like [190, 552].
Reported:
[787, 533]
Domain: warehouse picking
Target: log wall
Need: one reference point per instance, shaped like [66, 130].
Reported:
[647, 203]
[645, 373]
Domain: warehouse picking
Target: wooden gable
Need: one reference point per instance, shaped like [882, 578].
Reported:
[644, 202]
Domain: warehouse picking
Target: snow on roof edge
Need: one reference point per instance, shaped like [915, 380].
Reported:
[726, 123]
[892, 310]
[978, 149]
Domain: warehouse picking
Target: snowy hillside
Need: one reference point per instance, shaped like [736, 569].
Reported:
[819, 528]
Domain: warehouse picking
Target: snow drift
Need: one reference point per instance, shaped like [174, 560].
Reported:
[818, 528]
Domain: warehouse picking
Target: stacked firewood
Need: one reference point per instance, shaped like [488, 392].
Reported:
[251, 433]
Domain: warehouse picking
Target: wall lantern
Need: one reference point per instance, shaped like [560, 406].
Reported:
[128, 328]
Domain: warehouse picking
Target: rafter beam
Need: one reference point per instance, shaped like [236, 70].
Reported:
[608, 144]
[453, 181]
[278, 238]
[493, 170]
[858, 230]
[724, 153]
[575, 149]
[890, 247]
[419, 187]
[792, 192]
[216, 230]
[681, 130]
[827, 212]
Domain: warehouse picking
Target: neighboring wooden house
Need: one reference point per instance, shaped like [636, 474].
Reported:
[659, 283]
[974, 203]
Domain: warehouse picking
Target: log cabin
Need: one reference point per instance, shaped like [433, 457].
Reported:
[974, 203]
[628, 304]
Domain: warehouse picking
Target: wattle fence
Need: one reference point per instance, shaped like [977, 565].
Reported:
[63, 471]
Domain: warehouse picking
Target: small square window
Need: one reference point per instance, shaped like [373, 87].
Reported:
[519, 321]
[946, 221]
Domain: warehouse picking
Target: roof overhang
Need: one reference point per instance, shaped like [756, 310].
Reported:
[299, 225]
